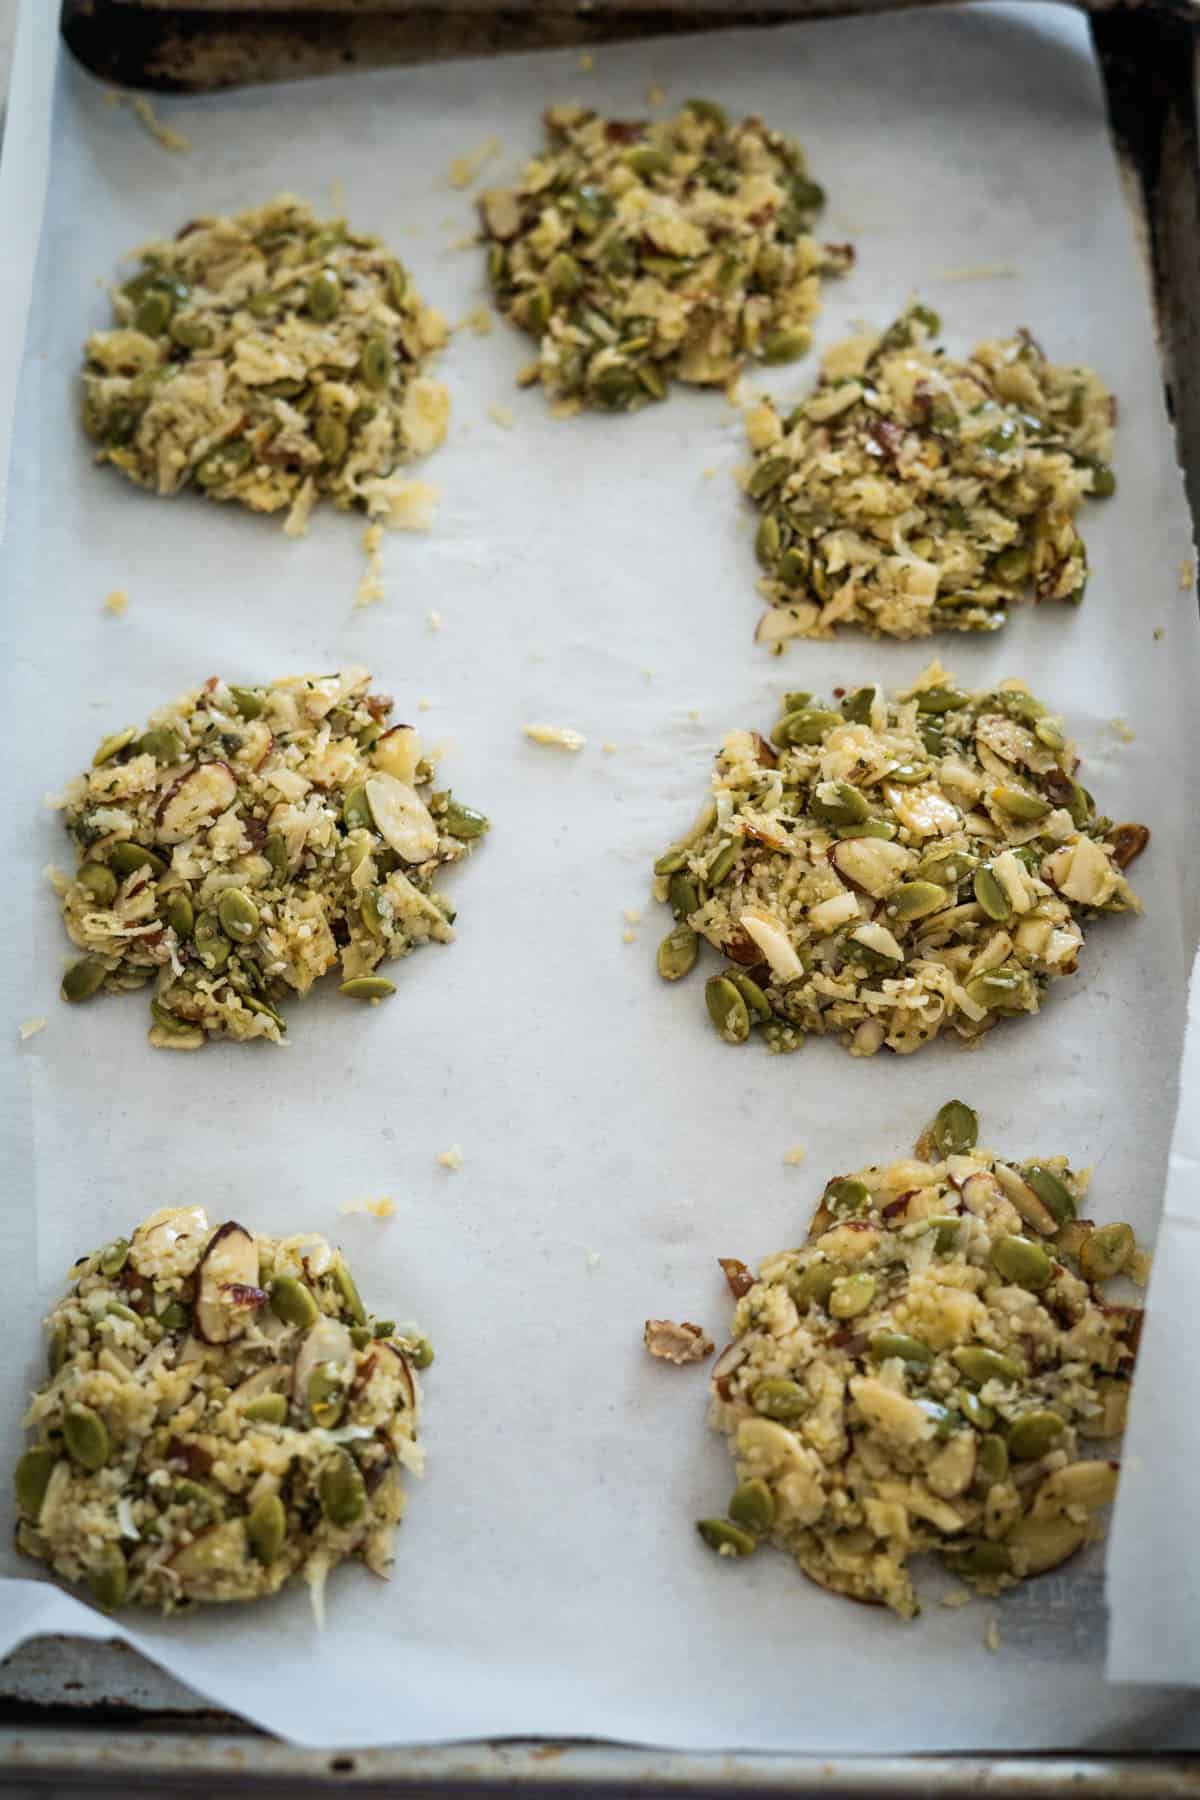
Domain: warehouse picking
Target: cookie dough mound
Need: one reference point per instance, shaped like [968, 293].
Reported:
[637, 253]
[221, 1414]
[926, 1373]
[911, 493]
[269, 358]
[890, 866]
[249, 839]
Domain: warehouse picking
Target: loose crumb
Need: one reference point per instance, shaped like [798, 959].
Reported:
[566, 409]
[629, 937]
[480, 320]
[451, 1158]
[424, 704]
[1121, 730]
[979, 272]
[678, 1344]
[562, 737]
[795, 1156]
[609, 749]
[656, 94]
[1139, 1268]
[370, 588]
[591, 1259]
[117, 602]
[956, 1597]
[587, 62]
[633, 915]
[412, 504]
[1187, 577]
[383, 1208]
[58, 878]
[991, 1636]
[337, 195]
[435, 620]
[1158, 634]
[501, 415]
[30, 1027]
[162, 134]
[708, 473]
[464, 170]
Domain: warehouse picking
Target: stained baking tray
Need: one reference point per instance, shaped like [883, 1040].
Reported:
[90, 1716]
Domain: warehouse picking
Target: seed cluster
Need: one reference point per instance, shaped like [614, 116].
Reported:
[249, 839]
[221, 1414]
[891, 866]
[635, 253]
[911, 493]
[267, 358]
[920, 1375]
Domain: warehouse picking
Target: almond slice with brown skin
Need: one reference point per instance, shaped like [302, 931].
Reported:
[205, 791]
[402, 818]
[227, 1290]
[328, 1341]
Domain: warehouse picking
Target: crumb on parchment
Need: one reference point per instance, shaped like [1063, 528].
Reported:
[561, 737]
[144, 112]
[480, 320]
[501, 415]
[434, 620]
[382, 1208]
[30, 1027]
[609, 748]
[1121, 729]
[979, 272]
[117, 602]
[587, 62]
[656, 94]
[370, 588]
[991, 1636]
[794, 1156]
[452, 1158]
[678, 1344]
[1187, 576]
[464, 170]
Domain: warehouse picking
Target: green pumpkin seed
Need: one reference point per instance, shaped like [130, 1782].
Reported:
[846, 1198]
[887, 1344]
[948, 870]
[116, 1309]
[785, 346]
[370, 914]
[238, 915]
[266, 1527]
[163, 744]
[856, 706]
[342, 1491]
[563, 275]
[419, 1351]
[31, 1478]
[916, 900]
[367, 987]
[538, 307]
[268, 1409]
[1107, 1252]
[1021, 1261]
[356, 810]
[1033, 1435]
[248, 701]
[154, 314]
[1019, 804]
[56, 1348]
[941, 700]
[812, 1286]
[722, 863]
[175, 1317]
[852, 1295]
[86, 1436]
[348, 1293]
[726, 1538]
[99, 881]
[981, 1559]
[83, 979]
[324, 295]
[108, 1579]
[767, 540]
[838, 803]
[205, 1499]
[947, 1229]
[992, 1464]
[727, 1010]
[326, 1395]
[751, 993]
[909, 774]
[1053, 1193]
[974, 1411]
[709, 111]
[212, 944]
[275, 851]
[809, 725]
[293, 1302]
[114, 1256]
[223, 464]
[376, 364]
[672, 860]
[955, 1129]
[999, 990]
[768, 475]
[683, 892]
[753, 1506]
[191, 334]
[678, 952]
[180, 914]
[648, 160]
[872, 828]
[980, 1364]
[332, 437]
[780, 1399]
[464, 822]
[991, 895]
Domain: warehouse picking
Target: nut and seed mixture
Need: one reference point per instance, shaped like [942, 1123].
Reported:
[268, 358]
[889, 866]
[911, 493]
[249, 839]
[221, 1413]
[637, 252]
[926, 1372]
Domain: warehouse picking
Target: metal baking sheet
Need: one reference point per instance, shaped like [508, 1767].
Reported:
[591, 1195]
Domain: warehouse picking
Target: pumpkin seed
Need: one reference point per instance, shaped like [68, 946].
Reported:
[768, 475]
[464, 822]
[991, 895]
[332, 437]
[324, 295]
[981, 1364]
[726, 1538]
[992, 1459]
[86, 1436]
[753, 1506]
[266, 1527]
[1053, 1193]
[99, 881]
[293, 1302]
[342, 1492]
[191, 334]
[672, 860]
[275, 851]
[83, 979]
[108, 1578]
[785, 346]
[812, 1286]
[780, 1399]
[356, 810]
[1019, 804]
[838, 803]
[807, 725]
[238, 915]
[268, 1409]
[852, 1295]
[180, 914]
[846, 1198]
[982, 1558]
[888, 1344]
[376, 362]
[1107, 1252]
[114, 1256]
[1021, 1261]
[326, 1395]
[916, 900]
[678, 952]
[125, 858]
[1033, 1435]
[683, 892]
[367, 987]
[767, 540]
[999, 990]
[722, 863]
[727, 1010]
[751, 993]
[955, 1129]
[974, 1410]
[348, 1293]
[31, 1478]
[941, 700]
[163, 744]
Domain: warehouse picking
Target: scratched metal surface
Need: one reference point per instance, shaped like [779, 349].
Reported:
[79, 1718]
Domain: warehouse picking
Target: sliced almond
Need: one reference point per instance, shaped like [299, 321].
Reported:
[398, 752]
[201, 794]
[1026, 1201]
[501, 212]
[783, 622]
[839, 909]
[227, 1290]
[878, 938]
[873, 864]
[402, 818]
[328, 1341]
[774, 943]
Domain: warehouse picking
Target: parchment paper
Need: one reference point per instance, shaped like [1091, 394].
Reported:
[595, 573]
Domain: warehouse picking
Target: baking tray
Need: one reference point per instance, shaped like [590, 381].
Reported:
[94, 1715]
